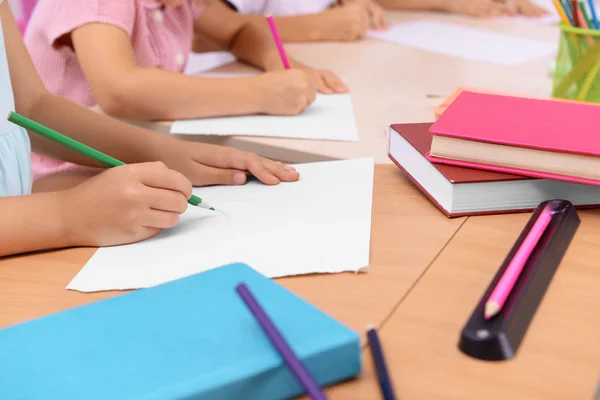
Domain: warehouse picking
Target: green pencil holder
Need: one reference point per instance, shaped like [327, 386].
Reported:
[577, 73]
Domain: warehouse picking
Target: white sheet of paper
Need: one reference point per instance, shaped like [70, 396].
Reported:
[330, 117]
[466, 43]
[199, 62]
[320, 224]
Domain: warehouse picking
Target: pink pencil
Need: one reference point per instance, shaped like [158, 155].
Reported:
[583, 22]
[278, 42]
[508, 280]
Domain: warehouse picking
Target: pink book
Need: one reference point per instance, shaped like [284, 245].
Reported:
[530, 137]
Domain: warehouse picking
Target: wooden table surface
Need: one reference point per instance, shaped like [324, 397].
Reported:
[559, 357]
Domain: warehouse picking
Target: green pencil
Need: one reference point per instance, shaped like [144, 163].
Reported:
[586, 16]
[81, 148]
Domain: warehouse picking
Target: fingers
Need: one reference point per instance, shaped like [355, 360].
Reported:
[510, 8]
[166, 200]
[333, 82]
[157, 175]
[528, 9]
[233, 162]
[492, 9]
[321, 84]
[315, 84]
[158, 219]
[222, 176]
[378, 18]
[365, 23]
[285, 173]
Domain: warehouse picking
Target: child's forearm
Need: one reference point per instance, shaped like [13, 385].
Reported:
[255, 45]
[125, 142]
[430, 5]
[152, 94]
[249, 41]
[298, 28]
[23, 215]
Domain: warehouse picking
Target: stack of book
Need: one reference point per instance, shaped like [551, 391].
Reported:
[491, 153]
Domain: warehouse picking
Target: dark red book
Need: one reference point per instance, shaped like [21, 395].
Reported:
[459, 191]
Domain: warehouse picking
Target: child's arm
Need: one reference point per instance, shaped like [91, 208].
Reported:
[429, 5]
[122, 205]
[125, 90]
[253, 43]
[202, 164]
[344, 23]
[478, 8]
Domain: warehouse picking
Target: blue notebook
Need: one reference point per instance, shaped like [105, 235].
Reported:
[188, 339]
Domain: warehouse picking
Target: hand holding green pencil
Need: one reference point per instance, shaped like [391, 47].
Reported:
[81, 148]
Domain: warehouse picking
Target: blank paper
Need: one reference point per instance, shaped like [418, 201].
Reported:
[320, 224]
[330, 117]
[466, 43]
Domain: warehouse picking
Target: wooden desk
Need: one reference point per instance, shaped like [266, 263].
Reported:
[559, 357]
[407, 234]
[391, 84]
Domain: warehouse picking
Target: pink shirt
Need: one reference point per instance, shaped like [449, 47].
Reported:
[161, 38]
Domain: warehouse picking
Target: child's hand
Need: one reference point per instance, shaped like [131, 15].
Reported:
[286, 92]
[478, 8]
[124, 204]
[326, 81]
[344, 23]
[322, 80]
[526, 8]
[375, 13]
[377, 16]
[206, 164]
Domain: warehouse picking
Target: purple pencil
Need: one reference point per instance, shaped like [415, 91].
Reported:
[311, 387]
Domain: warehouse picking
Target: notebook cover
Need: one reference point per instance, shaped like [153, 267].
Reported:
[548, 125]
[419, 137]
[439, 110]
[190, 338]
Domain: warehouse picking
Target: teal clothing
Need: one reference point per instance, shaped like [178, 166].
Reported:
[16, 175]
[15, 163]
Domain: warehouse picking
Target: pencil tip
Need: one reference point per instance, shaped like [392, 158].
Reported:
[212, 209]
[491, 309]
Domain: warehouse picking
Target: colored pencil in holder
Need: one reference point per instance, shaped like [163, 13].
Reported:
[594, 19]
[586, 16]
[567, 10]
[584, 22]
[580, 65]
[571, 39]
